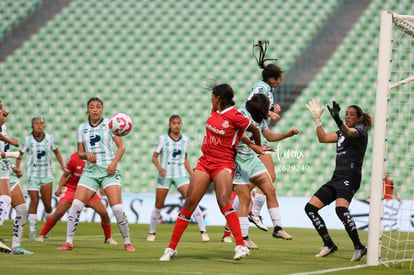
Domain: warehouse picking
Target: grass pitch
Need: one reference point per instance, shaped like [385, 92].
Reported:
[92, 256]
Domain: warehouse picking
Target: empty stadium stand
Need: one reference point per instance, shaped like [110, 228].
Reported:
[151, 59]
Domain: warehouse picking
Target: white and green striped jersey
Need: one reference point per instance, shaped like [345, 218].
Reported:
[97, 140]
[244, 150]
[262, 87]
[172, 155]
[5, 147]
[38, 160]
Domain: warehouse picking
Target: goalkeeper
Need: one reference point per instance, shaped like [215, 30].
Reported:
[351, 140]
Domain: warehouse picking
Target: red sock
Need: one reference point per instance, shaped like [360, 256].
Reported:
[47, 227]
[107, 230]
[234, 223]
[181, 224]
[227, 231]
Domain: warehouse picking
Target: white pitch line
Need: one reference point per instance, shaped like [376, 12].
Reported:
[331, 270]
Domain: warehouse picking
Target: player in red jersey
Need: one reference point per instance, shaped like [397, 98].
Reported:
[224, 128]
[67, 188]
[389, 190]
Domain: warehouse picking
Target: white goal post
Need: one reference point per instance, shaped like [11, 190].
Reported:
[388, 79]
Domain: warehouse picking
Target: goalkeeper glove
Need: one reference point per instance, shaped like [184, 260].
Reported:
[335, 113]
[316, 111]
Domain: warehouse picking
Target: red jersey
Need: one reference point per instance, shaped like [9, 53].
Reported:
[388, 189]
[74, 166]
[223, 132]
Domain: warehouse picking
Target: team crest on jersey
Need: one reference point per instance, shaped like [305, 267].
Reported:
[225, 124]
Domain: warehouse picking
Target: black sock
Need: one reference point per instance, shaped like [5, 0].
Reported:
[319, 224]
[350, 226]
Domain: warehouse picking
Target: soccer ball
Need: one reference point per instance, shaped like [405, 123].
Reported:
[120, 124]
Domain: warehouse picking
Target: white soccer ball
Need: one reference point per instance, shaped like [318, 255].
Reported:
[120, 124]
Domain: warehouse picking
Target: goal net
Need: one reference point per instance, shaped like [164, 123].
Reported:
[391, 223]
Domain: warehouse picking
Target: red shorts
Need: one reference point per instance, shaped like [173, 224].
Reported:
[69, 195]
[213, 166]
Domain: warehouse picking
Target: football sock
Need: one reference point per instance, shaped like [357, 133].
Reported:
[4, 207]
[236, 203]
[181, 224]
[47, 215]
[122, 221]
[244, 226]
[155, 216]
[258, 203]
[107, 230]
[73, 219]
[198, 216]
[234, 224]
[18, 224]
[275, 216]
[47, 227]
[227, 231]
[32, 222]
[350, 226]
[319, 224]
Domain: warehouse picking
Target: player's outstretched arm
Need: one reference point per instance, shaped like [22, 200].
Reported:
[334, 111]
[12, 141]
[272, 137]
[316, 111]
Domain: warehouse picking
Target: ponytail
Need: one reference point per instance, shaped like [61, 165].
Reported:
[270, 70]
[262, 46]
[367, 119]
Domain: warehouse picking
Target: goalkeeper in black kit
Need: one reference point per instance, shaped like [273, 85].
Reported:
[351, 140]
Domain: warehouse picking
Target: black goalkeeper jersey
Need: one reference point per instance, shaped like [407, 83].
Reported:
[350, 152]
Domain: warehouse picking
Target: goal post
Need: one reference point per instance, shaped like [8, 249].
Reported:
[395, 85]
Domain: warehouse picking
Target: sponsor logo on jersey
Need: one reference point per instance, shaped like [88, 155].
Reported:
[214, 129]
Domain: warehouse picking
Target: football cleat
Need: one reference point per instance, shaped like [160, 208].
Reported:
[250, 244]
[110, 241]
[358, 254]
[241, 252]
[129, 247]
[151, 237]
[205, 237]
[20, 251]
[278, 232]
[40, 238]
[32, 235]
[257, 220]
[326, 250]
[226, 239]
[168, 254]
[65, 247]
